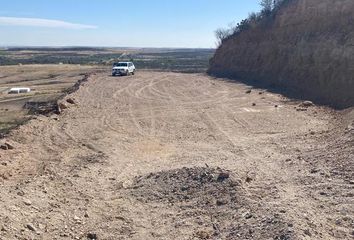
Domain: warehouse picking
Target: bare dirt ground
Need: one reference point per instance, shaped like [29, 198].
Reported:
[47, 83]
[179, 156]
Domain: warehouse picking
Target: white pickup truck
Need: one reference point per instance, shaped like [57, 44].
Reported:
[123, 68]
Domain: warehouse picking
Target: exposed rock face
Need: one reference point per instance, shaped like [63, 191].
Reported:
[308, 47]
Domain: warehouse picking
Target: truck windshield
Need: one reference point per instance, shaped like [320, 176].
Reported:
[121, 65]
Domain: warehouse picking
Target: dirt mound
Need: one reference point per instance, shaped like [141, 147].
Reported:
[212, 200]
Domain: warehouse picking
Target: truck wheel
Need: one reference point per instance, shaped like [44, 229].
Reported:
[133, 72]
[127, 73]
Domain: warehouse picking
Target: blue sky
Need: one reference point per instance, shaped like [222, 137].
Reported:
[117, 23]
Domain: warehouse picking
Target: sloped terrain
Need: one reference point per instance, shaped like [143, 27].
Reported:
[306, 48]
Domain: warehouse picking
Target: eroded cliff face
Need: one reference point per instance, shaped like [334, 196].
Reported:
[308, 47]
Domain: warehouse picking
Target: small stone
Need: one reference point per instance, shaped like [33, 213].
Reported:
[306, 104]
[247, 215]
[20, 193]
[276, 106]
[92, 236]
[223, 176]
[249, 179]
[4, 147]
[254, 104]
[71, 101]
[31, 227]
[27, 202]
[9, 146]
[221, 202]
[248, 91]
[62, 106]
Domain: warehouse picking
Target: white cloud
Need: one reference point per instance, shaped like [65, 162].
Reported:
[39, 22]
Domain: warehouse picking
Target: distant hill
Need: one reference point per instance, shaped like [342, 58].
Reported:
[305, 46]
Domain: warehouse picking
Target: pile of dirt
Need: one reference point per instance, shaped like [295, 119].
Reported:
[213, 200]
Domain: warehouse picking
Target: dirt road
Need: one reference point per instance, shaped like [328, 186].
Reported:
[178, 156]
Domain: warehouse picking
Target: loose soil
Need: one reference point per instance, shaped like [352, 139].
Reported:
[179, 156]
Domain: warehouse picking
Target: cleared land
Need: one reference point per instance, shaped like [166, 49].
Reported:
[47, 82]
[179, 156]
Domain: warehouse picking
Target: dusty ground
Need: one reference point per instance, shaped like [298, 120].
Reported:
[179, 156]
[47, 82]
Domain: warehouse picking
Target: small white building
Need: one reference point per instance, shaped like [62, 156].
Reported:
[19, 90]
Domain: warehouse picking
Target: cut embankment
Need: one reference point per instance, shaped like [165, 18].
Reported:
[305, 48]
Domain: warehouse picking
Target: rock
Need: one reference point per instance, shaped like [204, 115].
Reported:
[248, 91]
[21, 193]
[9, 146]
[27, 202]
[71, 101]
[247, 215]
[221, 202]
[306, 104]
[62, 106]
[254, 104]
[92, 236]
[276, 106]
[4, 147]
[31, 227]
[223, 176]
[249, 179]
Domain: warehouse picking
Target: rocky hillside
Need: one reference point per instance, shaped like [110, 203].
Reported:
[307, 47]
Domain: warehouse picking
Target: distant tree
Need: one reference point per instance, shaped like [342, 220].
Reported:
[221, 34]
